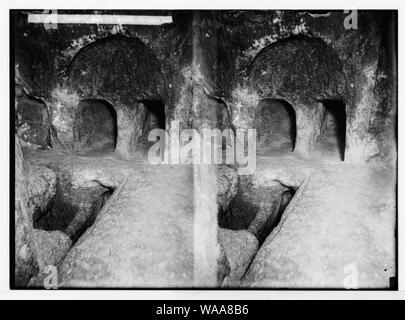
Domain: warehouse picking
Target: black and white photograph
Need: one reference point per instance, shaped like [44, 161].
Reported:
[203, 149]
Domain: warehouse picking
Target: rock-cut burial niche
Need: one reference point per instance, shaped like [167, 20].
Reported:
[333, 134]
[95, 128]
[61, 219]
[155, 116]
[276, 125]
[247, 220]
[32, 120]
[71, 210]
[255, 208]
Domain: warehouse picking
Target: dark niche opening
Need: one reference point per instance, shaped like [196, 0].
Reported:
[276, 124]
[33, 121]
[95, 128]
[155, 117]
[256, 209]
[333, 138]
[72, 211]
[246, 221]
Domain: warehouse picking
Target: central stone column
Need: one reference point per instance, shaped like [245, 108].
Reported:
[310, 119]
[206, 250]
[129, 128]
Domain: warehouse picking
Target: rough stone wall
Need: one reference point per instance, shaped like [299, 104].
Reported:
[200, 64]
[368, 61]
[136, 52]
[275, 123]
[118, 68]
[33, 122]
[205, 225]
[25, 252]
[300, 69]
[234, 39]
[95, 123]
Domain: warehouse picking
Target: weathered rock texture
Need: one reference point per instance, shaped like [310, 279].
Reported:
[33, 122]
[353, 78]
[235, 57]
[227, 185]
[338, 231]
[272, 202]
[119, 68]
[61, 202]
[95, 125]
[240, 247]
[300, 69]
[52, 246]
[43, 184]
[142, 238]
[255, 208]
[25, 252]
[208, 69]
[50, 200]
[123, 71]
[275, 123]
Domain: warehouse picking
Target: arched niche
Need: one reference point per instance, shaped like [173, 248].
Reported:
[333, 136]
[276, 124]
[95, 126]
